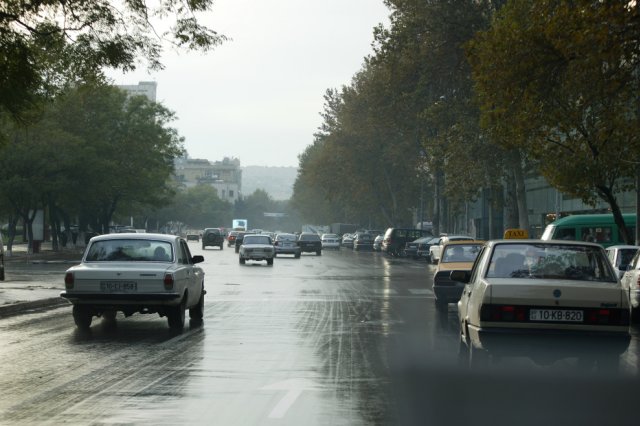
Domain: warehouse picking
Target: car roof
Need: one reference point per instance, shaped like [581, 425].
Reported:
[543, 242]
[464, 242]
[136, 236]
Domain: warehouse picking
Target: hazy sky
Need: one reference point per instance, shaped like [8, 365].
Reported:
[258, 96]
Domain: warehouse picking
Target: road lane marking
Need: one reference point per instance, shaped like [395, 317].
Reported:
[294, 388]
[420, 291]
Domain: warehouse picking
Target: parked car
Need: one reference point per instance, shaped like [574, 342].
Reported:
[621, 256]
[213, 237]
[310, 243]
[395, 239]
[347, 240]
[330, 241]
[631, 284]
[146, 273]
[456, 255]
[411, 247]
[256, 247]
[363, 241]
[531, 297]
[377, 242]
[423, 248]
[287, 244]
[436, 249]
[231, 238]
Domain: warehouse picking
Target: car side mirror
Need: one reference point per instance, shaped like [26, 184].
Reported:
[197, 259]
[460, 276]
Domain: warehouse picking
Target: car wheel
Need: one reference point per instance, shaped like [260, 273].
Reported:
[297, 255]
[82, 316]
[242, 261]
[319, 253]
[270, 262]
[197, 312]
[237, 249]
[203, 246]
[221, 246]
[176, 314]
[275, 255]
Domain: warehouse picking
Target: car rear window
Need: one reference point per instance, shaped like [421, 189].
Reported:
[309, 237]
[125, 250]
[550, 261]
[257, 239]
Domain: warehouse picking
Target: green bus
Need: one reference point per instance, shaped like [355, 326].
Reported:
[596, 228]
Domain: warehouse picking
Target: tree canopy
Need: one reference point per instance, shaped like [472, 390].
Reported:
[43, 43]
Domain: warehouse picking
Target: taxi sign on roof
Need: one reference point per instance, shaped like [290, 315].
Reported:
[516, 234]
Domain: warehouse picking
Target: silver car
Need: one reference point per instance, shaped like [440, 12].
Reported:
[145, 273]
[257, 247]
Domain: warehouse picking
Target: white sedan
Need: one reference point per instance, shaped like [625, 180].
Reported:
[146, 273]
[330, 241]
[543, 298]
[257, 247]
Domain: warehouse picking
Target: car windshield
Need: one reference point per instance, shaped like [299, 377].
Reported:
[461, 252]
[257, 239]
[125, 250]
[546, 261]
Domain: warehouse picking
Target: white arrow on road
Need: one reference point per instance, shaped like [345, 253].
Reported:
[294, 388]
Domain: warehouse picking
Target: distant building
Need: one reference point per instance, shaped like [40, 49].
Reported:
[225, 176]
[144, 88]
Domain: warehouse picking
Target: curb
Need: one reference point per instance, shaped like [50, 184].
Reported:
[17, 308]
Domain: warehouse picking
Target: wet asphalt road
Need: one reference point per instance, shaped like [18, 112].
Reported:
[339, 339]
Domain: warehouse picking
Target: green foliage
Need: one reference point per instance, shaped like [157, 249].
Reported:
[44, 43]
[559, 81]
[198, 207]
[90, 153]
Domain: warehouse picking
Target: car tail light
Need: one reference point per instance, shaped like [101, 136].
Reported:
[638, 281]
[606, 316]
[68, 280]
[168, 281]
[503, 313]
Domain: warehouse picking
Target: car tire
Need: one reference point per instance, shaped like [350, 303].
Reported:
[82, 316]
[297, 255]
[196, 313]
[242, 260]
[176, 315]
[237, 249]
[270, 262]
[221, 246]
[319, 253]
[203, 246]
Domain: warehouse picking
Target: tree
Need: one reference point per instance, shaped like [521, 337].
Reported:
[89, 35]
[559, 81]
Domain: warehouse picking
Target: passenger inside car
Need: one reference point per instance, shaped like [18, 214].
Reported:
[160, 254]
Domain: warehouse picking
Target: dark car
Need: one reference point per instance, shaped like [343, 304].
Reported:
[363, 241]
[411, 248]
[239, 239]
[213, 237]
[395, 239]
[310, 242]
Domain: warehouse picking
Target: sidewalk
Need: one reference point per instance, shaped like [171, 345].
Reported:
[34, 281]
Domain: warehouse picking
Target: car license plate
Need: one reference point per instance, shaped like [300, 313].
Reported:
[112, 286]
[560, 315]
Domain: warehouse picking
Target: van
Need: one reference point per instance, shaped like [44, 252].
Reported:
[395, 239]
[596, 228]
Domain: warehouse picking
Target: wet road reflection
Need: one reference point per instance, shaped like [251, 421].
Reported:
[339, 339]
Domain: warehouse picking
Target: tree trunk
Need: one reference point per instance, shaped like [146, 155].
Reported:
[521, 193]
[607, 194]
[511, 216]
